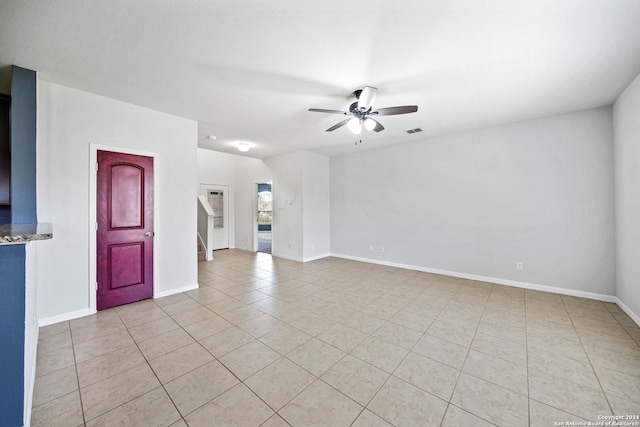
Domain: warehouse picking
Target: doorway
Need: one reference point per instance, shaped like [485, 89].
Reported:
[265, 217]
[124, 228]
[218, 198]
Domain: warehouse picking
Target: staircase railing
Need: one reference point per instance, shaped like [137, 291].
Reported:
[205, 226]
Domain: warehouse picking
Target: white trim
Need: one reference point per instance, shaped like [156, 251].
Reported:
[175, 291]
[254, 219]
[507, 282]
[627, 310]
[87, 311]
[208, 244]
[93, 160]
[256, 225]
[314, 258]
[28, 403]
[206, 205]
[208, 254]
[290, 258]
[65, 316]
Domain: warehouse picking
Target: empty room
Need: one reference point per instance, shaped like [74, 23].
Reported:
[296, 213]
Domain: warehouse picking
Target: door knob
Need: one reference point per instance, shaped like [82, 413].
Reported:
[148, 234]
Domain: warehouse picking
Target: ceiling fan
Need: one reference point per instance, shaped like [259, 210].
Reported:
[361, 112]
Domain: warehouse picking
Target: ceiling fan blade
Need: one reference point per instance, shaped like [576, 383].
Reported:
[378, 127]
[322, 110]
[367, 97]
[338, 125]
[391, 111]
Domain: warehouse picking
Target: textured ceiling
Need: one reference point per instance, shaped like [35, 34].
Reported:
[249, 69]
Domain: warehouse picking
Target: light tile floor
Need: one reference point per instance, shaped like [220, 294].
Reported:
[271, 342]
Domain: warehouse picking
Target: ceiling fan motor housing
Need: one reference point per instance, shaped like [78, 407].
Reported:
[356, 112]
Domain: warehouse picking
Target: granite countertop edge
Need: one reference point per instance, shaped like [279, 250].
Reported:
[25, 233]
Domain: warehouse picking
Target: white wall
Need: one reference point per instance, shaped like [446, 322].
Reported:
[69, 121]
[539, 191]
[626, 121]
[300, 205]
[316, 209]
[287, 177]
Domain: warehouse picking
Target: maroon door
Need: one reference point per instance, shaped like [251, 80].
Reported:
[125, 228]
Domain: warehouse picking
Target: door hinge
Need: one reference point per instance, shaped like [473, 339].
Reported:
[97, 166]
[97, 286]
[96, 225]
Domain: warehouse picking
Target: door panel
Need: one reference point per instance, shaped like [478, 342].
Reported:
[126, 201]
[125, 260]
[125, 228]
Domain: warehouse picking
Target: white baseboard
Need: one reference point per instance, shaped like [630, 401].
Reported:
[313, 258]
[290, 258]
[627, 310]
[176, 291]
[65, 316]
[507, 282]
[87, 311]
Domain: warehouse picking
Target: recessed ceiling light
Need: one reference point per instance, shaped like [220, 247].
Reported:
[243, 146]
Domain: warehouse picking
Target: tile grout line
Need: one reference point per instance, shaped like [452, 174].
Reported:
[526, 349]
[589, 359]
[151, 368]
[416, 343]
[282, 356]
[318, 378]
[238, 378]
[455, 386]
[186, 373]
[75, 366]
[405, 356]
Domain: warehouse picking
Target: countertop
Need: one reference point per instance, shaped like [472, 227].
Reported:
[25, 233]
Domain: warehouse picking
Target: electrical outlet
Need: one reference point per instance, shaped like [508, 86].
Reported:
[519, 265]
[381, 249]
[290, 245]
[370, 248]
[313, 246]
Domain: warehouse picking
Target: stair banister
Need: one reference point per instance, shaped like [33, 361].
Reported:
[205, 226]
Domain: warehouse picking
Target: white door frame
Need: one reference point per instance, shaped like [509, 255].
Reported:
[255, 215]
[227, 189]
[93, 193]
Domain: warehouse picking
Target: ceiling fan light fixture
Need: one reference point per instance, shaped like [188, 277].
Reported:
[355, 126]
[369, 124]
[243, 146]
[360, 111]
